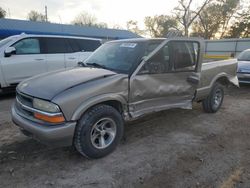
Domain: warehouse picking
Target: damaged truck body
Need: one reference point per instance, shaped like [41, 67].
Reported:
[121, 81]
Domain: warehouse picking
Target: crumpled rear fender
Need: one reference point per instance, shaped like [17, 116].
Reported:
[202, 93]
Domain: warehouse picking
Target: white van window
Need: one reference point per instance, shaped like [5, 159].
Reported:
[83, 45]
[27, 46]
[88, 45]
[74, 45]
[56, 45]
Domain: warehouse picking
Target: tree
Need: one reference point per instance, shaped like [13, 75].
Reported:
[133, 27]
[86, 19]
[2, 13]
[186, 16]
[208, 22]
[158, 26]
[241, 27]
[117, 26]
[215, 19]
[228, 10]
[36, 16]
[101, 25]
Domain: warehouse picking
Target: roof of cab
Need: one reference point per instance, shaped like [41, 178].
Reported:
[139, 40]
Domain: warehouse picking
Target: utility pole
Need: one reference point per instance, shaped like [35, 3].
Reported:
[46, 14]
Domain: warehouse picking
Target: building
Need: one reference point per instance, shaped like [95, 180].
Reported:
[225, 48]
[9, 27]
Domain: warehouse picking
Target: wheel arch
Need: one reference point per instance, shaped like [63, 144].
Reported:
[116, 101]
[223, 78]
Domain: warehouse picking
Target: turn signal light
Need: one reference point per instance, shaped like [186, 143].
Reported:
[50, 119]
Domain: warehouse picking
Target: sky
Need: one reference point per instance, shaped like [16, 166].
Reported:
[112, 12]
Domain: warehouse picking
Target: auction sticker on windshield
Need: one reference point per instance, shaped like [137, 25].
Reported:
[128, 45]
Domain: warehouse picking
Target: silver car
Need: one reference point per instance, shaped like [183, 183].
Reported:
[243, 72]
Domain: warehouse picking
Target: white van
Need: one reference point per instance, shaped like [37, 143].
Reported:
[23, 56]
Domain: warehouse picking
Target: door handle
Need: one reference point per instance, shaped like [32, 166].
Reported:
[71, 58]
[39, 59]
[193, 80]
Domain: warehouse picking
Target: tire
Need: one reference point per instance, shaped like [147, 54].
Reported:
[214, 100]
[99, 131]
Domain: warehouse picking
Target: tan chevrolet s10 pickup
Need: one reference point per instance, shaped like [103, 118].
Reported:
[122, 80]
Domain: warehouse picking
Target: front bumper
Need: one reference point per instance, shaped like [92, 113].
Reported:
[243, 77]
[55, 135]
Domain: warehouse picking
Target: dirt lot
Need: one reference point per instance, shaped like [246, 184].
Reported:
[176, 148]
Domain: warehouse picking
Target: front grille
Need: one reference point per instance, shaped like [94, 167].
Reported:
[24, 108]
[244, 72]
[25, 99]
[245, 79]
[22, 111]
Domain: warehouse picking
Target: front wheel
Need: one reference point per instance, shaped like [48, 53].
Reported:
[215, 99]
[99, 131]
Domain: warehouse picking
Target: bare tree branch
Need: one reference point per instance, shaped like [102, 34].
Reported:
[186, 16]
[199, 11]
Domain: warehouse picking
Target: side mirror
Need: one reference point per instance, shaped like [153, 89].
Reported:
[9, 51]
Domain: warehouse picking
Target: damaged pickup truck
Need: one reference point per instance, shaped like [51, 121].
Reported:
[121, 81]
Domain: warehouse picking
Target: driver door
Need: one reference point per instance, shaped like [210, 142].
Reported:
[166, 79]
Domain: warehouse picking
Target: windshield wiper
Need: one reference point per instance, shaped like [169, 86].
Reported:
[82, 64]
[102, 67]
[97, 65]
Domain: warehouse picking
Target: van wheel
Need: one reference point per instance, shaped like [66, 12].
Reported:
[99, 131]
[215, 99]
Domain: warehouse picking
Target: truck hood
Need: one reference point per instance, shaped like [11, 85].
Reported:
[243, 66]
[47, 86]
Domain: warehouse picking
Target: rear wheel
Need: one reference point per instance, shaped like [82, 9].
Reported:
[99, 131]
[215, 99]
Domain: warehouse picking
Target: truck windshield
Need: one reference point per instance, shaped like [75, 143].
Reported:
[244, 56]
[120, 57]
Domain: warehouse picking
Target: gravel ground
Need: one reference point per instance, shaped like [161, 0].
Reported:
[175, 148]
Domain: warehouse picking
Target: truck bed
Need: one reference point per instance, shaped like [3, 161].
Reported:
[211, 71]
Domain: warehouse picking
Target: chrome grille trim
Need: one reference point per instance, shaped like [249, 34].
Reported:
[30, 109]
[24, 99]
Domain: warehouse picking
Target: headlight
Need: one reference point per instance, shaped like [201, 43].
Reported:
[45, 106]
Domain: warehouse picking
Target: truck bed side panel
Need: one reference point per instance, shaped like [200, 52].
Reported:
[212, 71]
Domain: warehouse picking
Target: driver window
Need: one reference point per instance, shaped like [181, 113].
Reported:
[175, 56]
[158, 64]
[185, 55]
